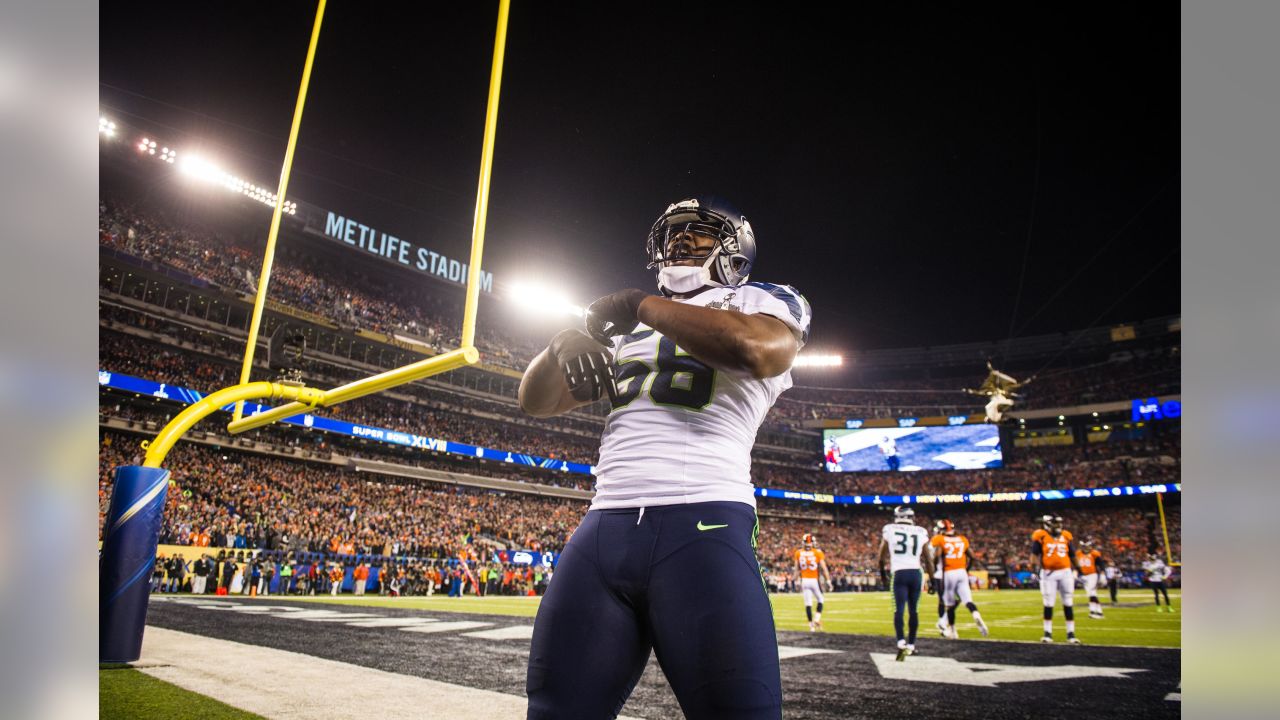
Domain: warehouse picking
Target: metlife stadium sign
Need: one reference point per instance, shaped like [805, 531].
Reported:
[359, 236]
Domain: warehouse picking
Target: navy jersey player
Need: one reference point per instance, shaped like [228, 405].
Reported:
[665, 557]
[902, 549]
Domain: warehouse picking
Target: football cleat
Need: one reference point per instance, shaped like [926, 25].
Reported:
[1071, 638]
[982, 627]
[911, 649]
[953, 634]
[1048, 638]
[1095, 615]
[902, 650]
[942, 627]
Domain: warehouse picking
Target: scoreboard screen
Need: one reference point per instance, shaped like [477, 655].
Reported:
[899, 449]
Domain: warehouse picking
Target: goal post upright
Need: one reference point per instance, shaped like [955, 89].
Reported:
[136, 512]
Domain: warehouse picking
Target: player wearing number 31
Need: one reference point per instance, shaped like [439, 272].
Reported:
[665, 557]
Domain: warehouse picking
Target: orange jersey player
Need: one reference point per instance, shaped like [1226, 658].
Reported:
[952, 552]
[1090, 562]
[1052, 549]
[812, 564]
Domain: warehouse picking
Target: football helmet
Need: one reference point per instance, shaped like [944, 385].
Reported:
[809, 540]
[904, 514]
[944, 527]
[1052, 523]
[728, 262]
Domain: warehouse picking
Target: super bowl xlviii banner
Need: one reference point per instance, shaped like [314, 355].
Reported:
[188, 396]
[356, 234]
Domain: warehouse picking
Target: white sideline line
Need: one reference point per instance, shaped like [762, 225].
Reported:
[513, 632]
[258, 680]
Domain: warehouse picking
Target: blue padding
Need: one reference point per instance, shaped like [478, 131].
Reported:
[131, 534]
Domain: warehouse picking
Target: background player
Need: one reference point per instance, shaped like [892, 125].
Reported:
[1157, 576]
[953, 553]
[1090, 562]
[812, 562]
[902, 546]
[672, 528]
[935, 580]
[1053, 551]
[889, 449]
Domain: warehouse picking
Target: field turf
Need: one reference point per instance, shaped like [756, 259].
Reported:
[1011, 614]
[126, 693]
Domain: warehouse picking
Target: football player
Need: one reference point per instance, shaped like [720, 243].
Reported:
[1091, 564]
[935, 580]
[902, 545]
[953, 553]
[812, 563]
[1053, 551]
[665, 557]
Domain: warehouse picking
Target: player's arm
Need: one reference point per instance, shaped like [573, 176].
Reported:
[1037, 556]
[1071, 555]
[759, 345]
[884, 560]
[969, 559]
[826, 574]
[574, 370]
[926, 559]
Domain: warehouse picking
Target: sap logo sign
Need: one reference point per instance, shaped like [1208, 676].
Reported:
[906, 422]
[1153, 409]
[957, 419]
[852, 424]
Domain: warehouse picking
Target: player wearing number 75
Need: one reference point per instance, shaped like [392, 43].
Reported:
[665, 557]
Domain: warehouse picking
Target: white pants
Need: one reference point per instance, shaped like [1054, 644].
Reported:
[197, 584]
[1090, 583]
[955, 588]
[811, 589]
[1058, 583]
[360, 586]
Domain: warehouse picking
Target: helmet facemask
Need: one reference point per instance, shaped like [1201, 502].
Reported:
[728, 262]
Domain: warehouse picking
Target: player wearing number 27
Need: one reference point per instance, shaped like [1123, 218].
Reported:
[665, 557]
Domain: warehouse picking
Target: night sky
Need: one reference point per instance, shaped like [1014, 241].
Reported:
[897, 170]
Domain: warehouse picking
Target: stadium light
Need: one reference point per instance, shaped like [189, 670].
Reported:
[818, 361]
[533, 298]
[106, 127]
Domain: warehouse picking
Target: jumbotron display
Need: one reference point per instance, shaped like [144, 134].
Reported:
[957, 447]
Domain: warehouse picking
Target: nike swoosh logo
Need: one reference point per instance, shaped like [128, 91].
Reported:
[704, 528]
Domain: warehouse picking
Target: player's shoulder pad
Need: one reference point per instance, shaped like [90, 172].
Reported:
[1039, 533]
[796, 304]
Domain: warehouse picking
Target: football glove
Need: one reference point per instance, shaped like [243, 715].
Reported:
[614, 314]
[586, 365]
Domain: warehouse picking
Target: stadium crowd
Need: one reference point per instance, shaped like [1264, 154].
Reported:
[342, 293]
[233, 501]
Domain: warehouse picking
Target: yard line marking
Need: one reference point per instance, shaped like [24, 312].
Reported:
[514, 632]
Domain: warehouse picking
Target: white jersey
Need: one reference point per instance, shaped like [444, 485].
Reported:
[906, 542]
[680, 431]
[1155, 570]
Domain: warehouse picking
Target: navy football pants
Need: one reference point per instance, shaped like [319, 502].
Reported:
[630, 581]
[906, 593]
